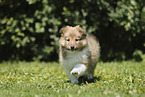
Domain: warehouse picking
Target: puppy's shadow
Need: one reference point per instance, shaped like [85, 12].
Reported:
[84, 80]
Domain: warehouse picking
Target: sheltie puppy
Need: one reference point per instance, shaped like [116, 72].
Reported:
[79, 52]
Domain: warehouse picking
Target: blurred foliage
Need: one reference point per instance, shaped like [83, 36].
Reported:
[29, 28]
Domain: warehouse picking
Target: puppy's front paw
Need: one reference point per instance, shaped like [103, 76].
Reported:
[75, 72]
[79, 70]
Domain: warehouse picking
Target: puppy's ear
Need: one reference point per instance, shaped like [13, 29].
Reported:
[63, 30]
[81, 30]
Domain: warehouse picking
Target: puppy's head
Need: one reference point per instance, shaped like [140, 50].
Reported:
[73, 38]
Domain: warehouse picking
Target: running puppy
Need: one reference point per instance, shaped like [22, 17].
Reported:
[79, 52]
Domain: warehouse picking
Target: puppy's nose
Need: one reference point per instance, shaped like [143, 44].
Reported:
[72, 47]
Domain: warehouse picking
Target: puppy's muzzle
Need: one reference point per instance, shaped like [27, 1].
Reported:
[72, 47]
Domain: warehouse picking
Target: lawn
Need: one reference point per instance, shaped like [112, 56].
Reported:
[48, 79]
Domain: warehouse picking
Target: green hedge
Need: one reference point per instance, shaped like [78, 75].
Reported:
[29, 28]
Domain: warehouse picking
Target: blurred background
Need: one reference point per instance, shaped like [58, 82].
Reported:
[29, 29]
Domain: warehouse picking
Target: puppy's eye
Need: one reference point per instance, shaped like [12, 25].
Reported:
[77, 39]
[67, 39]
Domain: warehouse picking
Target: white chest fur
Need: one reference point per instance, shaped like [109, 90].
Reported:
[74, 58]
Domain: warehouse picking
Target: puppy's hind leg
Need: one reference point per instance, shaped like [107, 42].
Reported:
[90, 76]
[91, 69]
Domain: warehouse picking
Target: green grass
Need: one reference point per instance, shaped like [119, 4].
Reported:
[40, 79]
